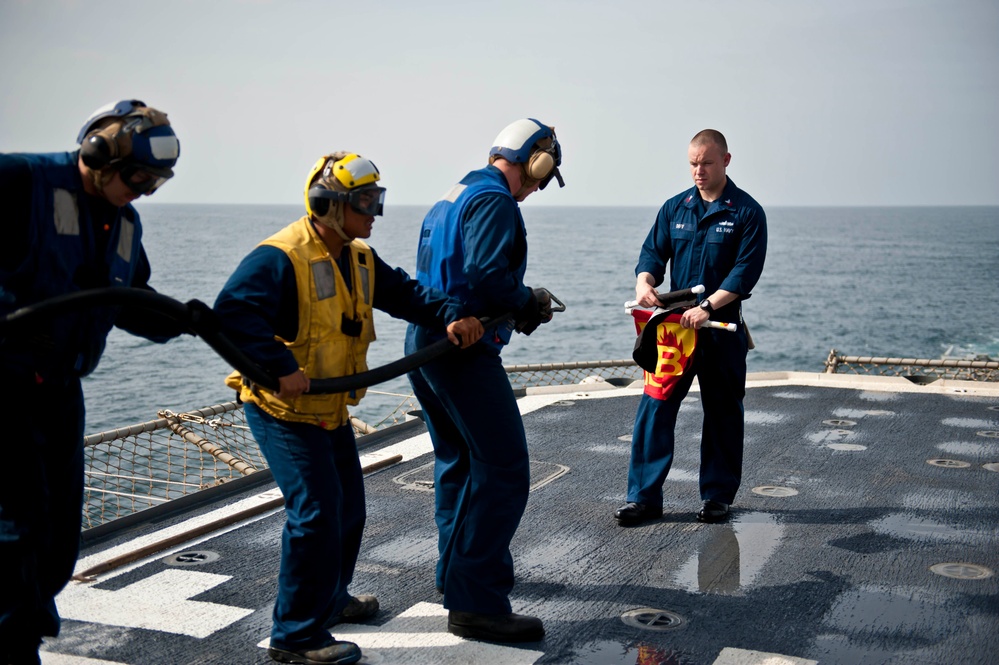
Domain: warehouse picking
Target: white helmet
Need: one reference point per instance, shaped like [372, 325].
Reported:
[532, 144]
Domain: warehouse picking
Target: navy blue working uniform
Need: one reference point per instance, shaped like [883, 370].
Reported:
[722, 245]
[473, 246]
[57, 240]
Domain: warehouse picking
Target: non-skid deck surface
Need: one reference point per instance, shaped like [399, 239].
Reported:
[866, 531]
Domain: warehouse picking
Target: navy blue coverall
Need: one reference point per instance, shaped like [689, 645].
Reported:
[722, 245]
[57, 240]
[474, 246]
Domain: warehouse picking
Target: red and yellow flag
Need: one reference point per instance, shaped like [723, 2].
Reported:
[664, 349]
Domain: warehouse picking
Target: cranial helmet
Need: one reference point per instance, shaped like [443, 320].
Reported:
[534, 146]
[339, 178]
[130, 137]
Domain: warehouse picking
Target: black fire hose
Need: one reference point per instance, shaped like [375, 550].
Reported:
[202, 321]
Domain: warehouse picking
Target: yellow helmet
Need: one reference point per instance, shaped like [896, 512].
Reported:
[342, 177]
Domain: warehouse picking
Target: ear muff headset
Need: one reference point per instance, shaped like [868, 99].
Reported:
[319, 205]
[540, 165]
[100, 148]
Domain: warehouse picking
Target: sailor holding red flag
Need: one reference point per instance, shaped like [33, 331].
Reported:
[713, 234]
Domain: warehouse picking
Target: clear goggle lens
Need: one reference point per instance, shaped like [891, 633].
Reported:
[367, 200]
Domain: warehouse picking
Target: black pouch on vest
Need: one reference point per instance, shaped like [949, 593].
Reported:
[350, 327]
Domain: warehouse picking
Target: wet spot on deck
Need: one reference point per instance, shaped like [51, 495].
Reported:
[732, 555]
[888, 612]
[606, 652]
[918, 528]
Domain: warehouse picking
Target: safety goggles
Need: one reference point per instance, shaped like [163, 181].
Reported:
[141, 181]
[366, 200]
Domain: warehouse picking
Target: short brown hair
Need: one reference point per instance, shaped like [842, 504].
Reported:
[710, 136]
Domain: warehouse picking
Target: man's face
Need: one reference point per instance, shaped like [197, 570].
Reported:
[524, 192]
[707, 166]
[356, 224]
[117, 193]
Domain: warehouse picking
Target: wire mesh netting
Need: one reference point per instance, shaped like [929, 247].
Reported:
[137, 467]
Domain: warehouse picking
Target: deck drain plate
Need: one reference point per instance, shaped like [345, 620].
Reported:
[949, 463]
[773, 490]
[961, 571]
[648, 618]
[838, 422]
[191, 558]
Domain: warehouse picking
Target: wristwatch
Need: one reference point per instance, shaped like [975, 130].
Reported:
[706, 306]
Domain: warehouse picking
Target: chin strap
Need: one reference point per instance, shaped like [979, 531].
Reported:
[336, 229]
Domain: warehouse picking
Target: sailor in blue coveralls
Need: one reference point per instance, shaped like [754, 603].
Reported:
[68, 226]
[713, 234]
[473, 246]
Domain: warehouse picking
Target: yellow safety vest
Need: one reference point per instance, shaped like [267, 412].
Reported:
[322, 348]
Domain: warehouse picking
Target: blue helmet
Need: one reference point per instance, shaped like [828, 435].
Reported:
[129, 134]
[533, 144]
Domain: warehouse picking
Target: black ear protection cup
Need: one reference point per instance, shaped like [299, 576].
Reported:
[540, 165]
[97, 150]
[318, 204]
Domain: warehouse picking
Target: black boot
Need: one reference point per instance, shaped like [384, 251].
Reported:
[495, 627]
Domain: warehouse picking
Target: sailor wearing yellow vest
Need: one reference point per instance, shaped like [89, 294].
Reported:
[300, 304]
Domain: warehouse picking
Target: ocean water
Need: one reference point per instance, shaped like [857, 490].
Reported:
[914, 282]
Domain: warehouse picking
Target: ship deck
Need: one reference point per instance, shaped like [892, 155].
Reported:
[866, 531]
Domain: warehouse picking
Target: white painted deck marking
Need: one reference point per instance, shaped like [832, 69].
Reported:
[51, 658]
[419, 635]
[730, 656]
[159, 602]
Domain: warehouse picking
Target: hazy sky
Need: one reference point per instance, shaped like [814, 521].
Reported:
[823, 102]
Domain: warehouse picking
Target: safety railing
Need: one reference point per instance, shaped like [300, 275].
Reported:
[177, 454]
[918, 370]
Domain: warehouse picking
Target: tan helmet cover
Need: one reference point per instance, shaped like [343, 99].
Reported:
[118, 131]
